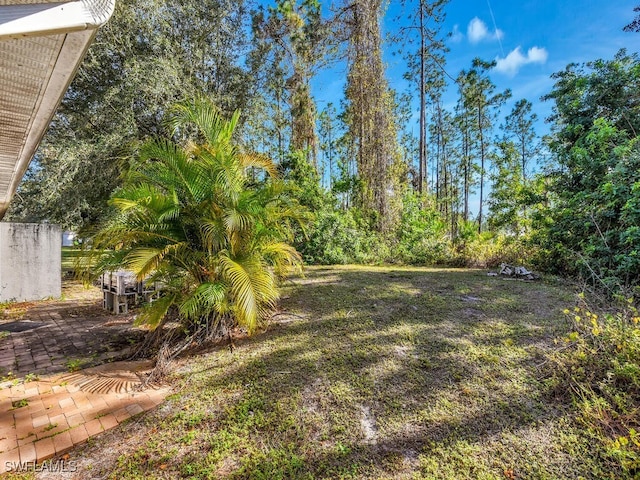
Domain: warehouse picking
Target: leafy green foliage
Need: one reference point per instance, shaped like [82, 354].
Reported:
[595, 218]
[422, 234]
[148, 56]
[487, 249]
[591, 227]
[601, 367]
[607, 89]
[514, 199]
[341, 237]
[508, 195]
[194, 217]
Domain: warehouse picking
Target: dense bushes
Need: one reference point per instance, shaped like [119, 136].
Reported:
[600, 365]
[594, 230]
[591, 224]
[490, 249]
[422, 235]
[341, 236]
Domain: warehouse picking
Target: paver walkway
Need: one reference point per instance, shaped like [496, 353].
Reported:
[42, 419]
[62, 334]
[44, 340]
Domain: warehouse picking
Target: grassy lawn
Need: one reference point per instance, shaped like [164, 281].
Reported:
[369, 373]
[69, 256]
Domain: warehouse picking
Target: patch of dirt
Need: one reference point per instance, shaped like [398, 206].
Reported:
[401, 351]
[309, 396]
[473, 313]
[368, 424]
[228, 466]
[470, 299]
[411, 459]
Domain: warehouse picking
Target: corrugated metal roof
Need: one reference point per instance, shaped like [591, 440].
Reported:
[41, 46]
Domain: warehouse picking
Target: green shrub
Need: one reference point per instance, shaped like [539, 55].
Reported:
[208, 221]
[593, 228]
[422, 235]
[601, 366]
[490, 249]
[340, 237]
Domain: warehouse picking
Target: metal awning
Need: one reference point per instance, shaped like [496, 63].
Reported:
[41, 46]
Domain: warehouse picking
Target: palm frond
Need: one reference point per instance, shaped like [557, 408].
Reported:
[236, 221]
[252, 288]
[205, 116]
[153, 313]
[207, 299]
[144, 261]
[262, 162]
[213, 234]
[281, 251]
[167, 165]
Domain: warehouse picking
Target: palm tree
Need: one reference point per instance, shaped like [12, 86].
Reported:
[192, 216]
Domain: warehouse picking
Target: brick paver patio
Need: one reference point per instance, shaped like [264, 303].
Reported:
[65, 332]
[42, 419]
[47, 413]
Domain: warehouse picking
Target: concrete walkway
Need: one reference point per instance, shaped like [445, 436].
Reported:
[44, 409]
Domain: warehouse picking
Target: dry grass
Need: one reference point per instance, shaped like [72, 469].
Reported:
[368, 373]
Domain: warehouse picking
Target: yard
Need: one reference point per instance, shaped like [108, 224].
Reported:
[368, 373]
[69, 258]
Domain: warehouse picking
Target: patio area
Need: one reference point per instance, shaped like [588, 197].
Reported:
[52, 395]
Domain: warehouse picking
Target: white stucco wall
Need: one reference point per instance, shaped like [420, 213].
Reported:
[30, 256]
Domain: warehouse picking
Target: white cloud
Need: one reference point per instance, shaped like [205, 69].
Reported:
[477, 31]
[515, 60]
[537, 55]
[456, 35]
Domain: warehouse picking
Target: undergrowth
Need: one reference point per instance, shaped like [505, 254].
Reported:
[601, 365]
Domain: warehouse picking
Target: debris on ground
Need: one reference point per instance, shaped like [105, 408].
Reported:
[511, 271]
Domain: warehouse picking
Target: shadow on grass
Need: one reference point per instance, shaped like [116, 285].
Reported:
[378, 372]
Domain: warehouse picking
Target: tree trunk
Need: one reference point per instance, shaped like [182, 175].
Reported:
[480, 131]
[422, 171]
[465, 161]
[524, 161]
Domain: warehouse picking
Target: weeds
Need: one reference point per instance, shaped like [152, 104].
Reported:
[601, 366]
[31, 377]
[8, 377]
[73, 365]
[20, 403]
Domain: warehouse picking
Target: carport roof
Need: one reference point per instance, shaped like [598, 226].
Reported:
[41, 46]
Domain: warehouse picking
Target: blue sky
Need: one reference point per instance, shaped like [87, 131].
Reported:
[549, 34]
[530, 39]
